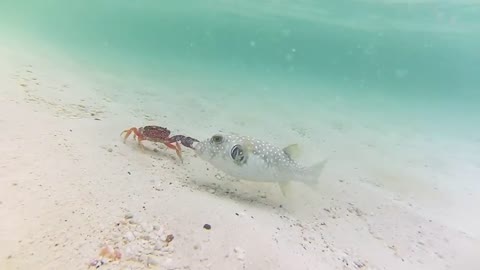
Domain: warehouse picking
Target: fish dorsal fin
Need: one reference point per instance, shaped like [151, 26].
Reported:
[292, 151]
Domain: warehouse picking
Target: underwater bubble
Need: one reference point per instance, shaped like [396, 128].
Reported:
[401, 73]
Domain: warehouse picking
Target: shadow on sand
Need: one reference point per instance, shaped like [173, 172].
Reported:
[262, 195]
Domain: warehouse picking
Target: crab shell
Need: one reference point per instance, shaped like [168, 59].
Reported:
[155, 132]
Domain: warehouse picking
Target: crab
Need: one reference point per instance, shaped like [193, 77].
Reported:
[159, 134]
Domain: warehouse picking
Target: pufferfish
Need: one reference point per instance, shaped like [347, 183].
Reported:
[251, 159]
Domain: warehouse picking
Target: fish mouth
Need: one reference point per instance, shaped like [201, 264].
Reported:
[198, 147]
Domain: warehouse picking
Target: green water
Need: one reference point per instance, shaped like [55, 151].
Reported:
[420, 59]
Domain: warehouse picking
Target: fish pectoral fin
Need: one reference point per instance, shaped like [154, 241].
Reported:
[293, 151]
[284, 187]
[248, 147]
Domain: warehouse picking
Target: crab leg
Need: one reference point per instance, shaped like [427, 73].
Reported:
[179, 151]
[128, 131]
[176, 148]
[136, 135]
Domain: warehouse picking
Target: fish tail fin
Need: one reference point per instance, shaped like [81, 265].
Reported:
[313, 174]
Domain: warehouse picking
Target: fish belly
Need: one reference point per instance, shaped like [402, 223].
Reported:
[260, 173]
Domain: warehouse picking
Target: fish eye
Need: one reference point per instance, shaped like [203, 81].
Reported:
[217, 138]
[237, 154]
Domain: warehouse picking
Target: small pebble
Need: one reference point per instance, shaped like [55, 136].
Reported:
[163, 237]
[359, 264]
[110, 150]
[143, 258]
[168, 249]
[169, 238]
[151, 261]
[153, 235]
[147, 227]
[207, 226]
[240, 253]
[139, 229]
[160, 231]
[158, 246]
[128, 216]
[168, 263]
[96, 263]
[129, 236]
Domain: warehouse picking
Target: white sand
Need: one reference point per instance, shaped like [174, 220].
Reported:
[67, 181]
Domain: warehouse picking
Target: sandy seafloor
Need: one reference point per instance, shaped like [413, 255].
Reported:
[68, 185]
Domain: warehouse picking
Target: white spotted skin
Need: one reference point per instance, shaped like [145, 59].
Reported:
[264, 162]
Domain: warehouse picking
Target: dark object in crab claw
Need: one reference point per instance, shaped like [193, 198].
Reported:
[189, 141]
[161, 135]
[185, 140]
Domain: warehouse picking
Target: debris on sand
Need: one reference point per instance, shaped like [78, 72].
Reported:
[107, 254]
[135, 244]
[169, 238]
[110, 253]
